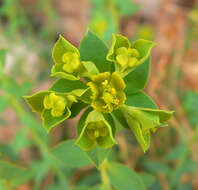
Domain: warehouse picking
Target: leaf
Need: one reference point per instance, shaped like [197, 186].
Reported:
[144, 120]
[157, 167]
[144, 47]
[82, 120]
[137, 79]
[190, 102]
[77, 108]
[177, 152]
[97, 155]
[70, 155]
[4, 102]
[140, 99]
[93, 49]
[117, 42]
[50, 122]
[90, 68]
[62, 46]
[20, 141]
[119, 117]
[65, 85]
[55, 72]
[9, 171]
[127, 8]
[185, 165]
[164, 116]
[123, 177]
[2, 60]
[147, 179]
[36, 101]
[10, 86]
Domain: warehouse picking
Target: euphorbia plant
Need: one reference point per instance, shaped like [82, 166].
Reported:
[107, 85]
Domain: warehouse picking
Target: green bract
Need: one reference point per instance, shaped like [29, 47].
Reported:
[96, 130]
[67, 61]
[109, 82]
[142, 121]
[54, 107]
[127, 56]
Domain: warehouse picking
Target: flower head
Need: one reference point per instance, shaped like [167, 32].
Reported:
[107, 92]
[96, 129]
[127, 56]
[55, 103]
[71, 62]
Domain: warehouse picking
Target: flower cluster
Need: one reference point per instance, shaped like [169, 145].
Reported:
[107, 84]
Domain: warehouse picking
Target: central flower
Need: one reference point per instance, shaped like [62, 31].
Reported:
[71, 62]
[107, 92]
[127, 58]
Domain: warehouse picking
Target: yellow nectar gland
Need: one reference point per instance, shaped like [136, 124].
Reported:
[96, 130]
[72, 62]
[127, 57]
[109, 96]
[107, 91]
[56, 103]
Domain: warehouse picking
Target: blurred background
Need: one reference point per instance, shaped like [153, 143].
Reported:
[28, 30]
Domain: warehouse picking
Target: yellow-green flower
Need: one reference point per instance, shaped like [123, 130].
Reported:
[55, 103]
[71, 62]
[67, 60]
[107, 92]
[127, 56]
[96, 130]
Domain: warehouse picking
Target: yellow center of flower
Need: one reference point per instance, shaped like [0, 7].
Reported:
[72, 62]
[107, 91]
[127, 58]
[56, 103]
[96, 130]
[109, 96]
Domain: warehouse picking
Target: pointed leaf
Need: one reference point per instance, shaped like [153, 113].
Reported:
[62, 46]
[50, 122]
[2, 60]
[97, 155]
[36, 101]
[57, 73]
[70, 154]
[117, 42]
[93, 49]
[137, 80]
[65, 85]
[123, 177]
[140, 99]
[10, 171]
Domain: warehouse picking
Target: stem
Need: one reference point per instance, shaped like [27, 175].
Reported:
[8, 185]
[105, 179]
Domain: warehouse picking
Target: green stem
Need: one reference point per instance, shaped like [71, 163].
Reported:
[8, 185]
[106, 185]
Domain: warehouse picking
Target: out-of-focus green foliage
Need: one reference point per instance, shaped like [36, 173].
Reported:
[106, 14]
